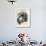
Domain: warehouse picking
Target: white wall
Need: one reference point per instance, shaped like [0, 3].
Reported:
[8, 28]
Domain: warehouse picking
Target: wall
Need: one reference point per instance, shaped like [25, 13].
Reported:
[8, 28]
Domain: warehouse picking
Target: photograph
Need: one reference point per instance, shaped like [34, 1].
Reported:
[23, 17]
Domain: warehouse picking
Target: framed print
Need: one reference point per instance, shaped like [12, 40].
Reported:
[23, 17]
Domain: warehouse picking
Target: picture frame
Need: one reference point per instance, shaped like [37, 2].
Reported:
[23, 17]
